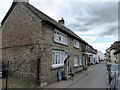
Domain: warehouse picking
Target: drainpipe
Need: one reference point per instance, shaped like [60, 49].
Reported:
[38, 72]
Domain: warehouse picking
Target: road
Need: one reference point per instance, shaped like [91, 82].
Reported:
[97, 78]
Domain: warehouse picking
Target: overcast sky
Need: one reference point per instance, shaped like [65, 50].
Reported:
[95, 21]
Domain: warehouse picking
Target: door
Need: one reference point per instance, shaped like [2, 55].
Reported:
[66, 66]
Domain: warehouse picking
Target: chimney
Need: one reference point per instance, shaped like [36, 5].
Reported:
[20, 0]
[62, 21]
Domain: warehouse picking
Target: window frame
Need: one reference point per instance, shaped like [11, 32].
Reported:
[58, 35]
[76, 61]
[59, 62]
[80, 61]
[76, 43]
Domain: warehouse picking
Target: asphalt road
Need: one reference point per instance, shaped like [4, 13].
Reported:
[97, 78]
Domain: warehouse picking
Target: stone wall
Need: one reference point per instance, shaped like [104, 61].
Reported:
[22, 27]
[21, 34]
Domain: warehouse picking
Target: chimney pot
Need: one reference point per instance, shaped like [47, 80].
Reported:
[62, 21]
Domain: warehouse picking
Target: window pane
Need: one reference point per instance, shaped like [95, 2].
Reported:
[61, 57]
[60, 38]
[53, 58]
[80, 61]
[56, 57]
[75, 60]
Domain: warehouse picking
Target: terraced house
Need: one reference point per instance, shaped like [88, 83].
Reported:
[112, 52]
[37, 46]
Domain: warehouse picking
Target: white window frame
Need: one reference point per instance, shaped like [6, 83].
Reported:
[59, 61]
[80, 61]
[76, 43]
[57, 35]
[76, 61]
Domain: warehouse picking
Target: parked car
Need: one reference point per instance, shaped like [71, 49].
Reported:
[117, 86]
[112, 71]
[115, 83]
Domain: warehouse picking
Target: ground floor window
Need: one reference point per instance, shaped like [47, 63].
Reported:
[80, 61]
[58, 58]
[76, 61]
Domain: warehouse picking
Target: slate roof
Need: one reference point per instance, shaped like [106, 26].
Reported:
[45, 19]
[117, 51]
[116, 45]
[49, 20]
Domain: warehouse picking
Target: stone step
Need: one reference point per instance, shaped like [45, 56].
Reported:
[68, 77]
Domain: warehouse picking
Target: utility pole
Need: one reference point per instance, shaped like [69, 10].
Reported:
[119, 36]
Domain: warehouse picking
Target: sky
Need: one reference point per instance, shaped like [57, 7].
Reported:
[95, 21]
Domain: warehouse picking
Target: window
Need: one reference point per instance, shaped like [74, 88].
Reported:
[58, 58]
[59, 37]
[53, 55]
[80, 61]
[76, 43]
[75, 61]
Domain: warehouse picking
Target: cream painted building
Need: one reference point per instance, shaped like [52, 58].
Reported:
[113, 57]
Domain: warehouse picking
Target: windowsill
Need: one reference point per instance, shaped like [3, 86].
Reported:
[76, 66]
[76, 47]
[60, 43]
[57, 66]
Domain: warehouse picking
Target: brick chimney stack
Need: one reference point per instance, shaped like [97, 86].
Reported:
[62, 21]
[20, 0]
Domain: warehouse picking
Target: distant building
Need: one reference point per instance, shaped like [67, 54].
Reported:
[100, 56]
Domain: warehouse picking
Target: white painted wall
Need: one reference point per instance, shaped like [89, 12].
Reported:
[101, 55]
[113, 57]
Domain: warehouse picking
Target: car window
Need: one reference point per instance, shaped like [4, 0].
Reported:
[114, 67]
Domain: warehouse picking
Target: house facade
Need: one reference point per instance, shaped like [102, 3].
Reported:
[91, 54]
[108, 54]
[116, 46]
[111, 52]
[38, 47]
[100, 56]
[117, 53]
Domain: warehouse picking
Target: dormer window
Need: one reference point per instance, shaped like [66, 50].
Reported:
[76, 43]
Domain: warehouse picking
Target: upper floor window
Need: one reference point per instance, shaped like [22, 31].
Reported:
[76, 43]
[60, 37]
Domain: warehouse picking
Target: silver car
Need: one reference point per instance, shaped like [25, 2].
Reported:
[113, 70]
[115, 82]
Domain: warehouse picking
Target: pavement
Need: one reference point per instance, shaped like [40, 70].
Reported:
[0, 83]
[71, 81]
